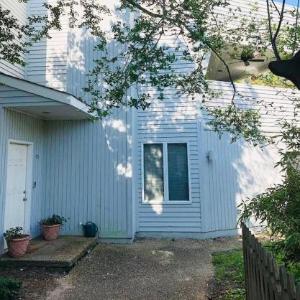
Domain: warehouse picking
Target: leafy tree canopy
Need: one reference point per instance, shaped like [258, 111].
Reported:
[143, 58]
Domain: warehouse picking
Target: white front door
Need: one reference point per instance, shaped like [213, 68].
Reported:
[16, 189]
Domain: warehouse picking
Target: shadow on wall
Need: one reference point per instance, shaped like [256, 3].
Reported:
[236, 172]
[88, 165]
[239, 170]
[222, 174]
[94, 165]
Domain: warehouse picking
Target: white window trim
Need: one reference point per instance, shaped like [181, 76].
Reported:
[166, 199]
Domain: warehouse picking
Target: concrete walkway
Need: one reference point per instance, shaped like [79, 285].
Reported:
[147, 269]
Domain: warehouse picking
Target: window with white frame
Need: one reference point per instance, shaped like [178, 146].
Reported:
[165, 172]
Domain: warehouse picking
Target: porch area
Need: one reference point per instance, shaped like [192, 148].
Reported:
[62, 253]
[27, 111]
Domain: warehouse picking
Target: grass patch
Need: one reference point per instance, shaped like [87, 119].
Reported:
[229, 271]
[229, 275]
[9, 288]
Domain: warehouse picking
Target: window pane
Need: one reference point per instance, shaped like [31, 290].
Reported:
[153, 172]
[178, 172]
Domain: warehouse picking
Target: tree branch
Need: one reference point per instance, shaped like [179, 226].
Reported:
[276, 7]
[280, 22]
[180, 24]
[273, 38]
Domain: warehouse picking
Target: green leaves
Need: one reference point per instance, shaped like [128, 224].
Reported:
[9, 288]
[12, 38]
[279, 206]
[54, 220]
[146, 58]
[12, 233]
[238, 122]
[151, 46]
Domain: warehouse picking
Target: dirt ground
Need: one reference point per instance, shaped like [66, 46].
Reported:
[147, 269]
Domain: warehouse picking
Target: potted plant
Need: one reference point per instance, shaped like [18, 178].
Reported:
[51, 227]
[17, 241]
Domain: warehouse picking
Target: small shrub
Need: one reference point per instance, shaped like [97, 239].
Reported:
[279, 206]
[9, 288]
[278, 250]
[247, 54]
[14, 233]
[54, 220]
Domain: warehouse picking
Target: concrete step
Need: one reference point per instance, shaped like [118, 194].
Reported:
[62, 253]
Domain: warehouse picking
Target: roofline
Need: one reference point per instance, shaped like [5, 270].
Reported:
[45, 92]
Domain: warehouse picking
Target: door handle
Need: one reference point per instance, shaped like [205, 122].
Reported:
[25, 198]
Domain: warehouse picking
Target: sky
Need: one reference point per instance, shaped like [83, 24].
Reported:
[293, 2]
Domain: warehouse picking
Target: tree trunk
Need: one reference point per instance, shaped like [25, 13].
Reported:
[289, 69]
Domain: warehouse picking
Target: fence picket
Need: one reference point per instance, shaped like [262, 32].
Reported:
[264, 280]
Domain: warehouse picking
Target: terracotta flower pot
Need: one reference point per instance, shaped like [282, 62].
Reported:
[17, 247]
[51, 232]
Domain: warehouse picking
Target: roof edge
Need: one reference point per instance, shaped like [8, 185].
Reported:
[45, 92]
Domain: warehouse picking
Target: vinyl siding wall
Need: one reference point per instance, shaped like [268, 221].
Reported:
[82, 171]
[170, 121]
[222, 173]
[87, 166]
[88, 174]
[18, 126]
[64, 61]
[238, 171]
[19, 11]
[87, 163]
[47, 59]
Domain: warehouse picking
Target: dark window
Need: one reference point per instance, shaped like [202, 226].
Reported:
[178, 173]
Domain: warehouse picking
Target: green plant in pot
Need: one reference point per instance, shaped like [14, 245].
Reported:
[247, 54]
[17, 241]
[51, 227]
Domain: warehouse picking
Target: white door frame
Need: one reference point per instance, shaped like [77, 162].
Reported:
[29, 163]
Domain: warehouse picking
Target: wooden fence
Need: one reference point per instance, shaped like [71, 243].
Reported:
[264, 279]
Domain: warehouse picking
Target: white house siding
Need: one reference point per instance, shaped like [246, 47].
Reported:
[47, 59]
[18, 126]
[246, 8]
[273, 104]
[169, 121]
[64, 61]
[88, 174]
[234, 172]
[82, 168]
[18, 10]
[237, 171]
[92, 158]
